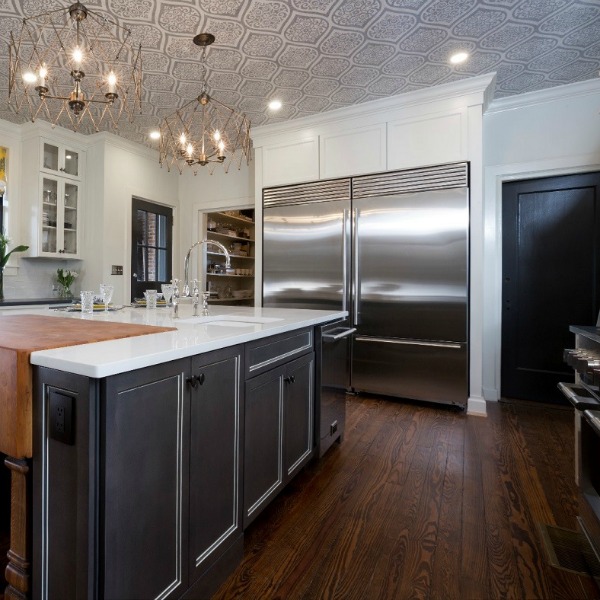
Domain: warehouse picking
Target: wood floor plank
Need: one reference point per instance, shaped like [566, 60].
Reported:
[420, 502]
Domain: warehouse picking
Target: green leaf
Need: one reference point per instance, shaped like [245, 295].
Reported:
[4, 260]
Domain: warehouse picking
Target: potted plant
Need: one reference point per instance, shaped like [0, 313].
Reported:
[4, 256]
[65, 279]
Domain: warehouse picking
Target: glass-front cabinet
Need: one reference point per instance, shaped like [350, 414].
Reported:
[54, 198]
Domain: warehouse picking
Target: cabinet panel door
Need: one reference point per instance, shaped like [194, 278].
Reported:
[144, 483]
[263, 468]
[214, 459]
[298, 413]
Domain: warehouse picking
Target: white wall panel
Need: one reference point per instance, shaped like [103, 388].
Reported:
[353, 152]
[292, 162]
[428, 140]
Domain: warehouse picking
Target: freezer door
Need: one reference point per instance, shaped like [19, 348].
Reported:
[428, 371]
[306, 255]
[411, 265]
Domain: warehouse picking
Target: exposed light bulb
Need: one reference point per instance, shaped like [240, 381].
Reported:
[43, 74]
[221, 152]
[189, 150]
[29, 77]
[182, 140]
[217, 135]
[112, 83]
[459, 57]
[77, 57]
[275, 104]
[155, 135]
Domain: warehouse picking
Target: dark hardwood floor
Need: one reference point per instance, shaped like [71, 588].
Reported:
[421, 502]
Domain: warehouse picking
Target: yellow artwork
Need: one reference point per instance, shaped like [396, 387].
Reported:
[3, 155]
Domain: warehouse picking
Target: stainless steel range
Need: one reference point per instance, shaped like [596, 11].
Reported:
[584, 395]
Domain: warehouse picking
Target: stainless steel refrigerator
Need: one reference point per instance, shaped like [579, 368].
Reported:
[392, 249]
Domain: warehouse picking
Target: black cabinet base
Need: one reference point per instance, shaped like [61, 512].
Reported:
[217, 573]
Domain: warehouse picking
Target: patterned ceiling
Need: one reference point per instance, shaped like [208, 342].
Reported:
[319, 55]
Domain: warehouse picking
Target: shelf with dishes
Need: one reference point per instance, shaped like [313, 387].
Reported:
[219, 235]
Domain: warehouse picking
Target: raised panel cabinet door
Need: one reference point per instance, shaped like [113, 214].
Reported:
[215, 412]
[145, 443]
[298, 410]
[263, 464]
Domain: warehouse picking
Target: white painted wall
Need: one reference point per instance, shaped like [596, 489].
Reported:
[552, 132]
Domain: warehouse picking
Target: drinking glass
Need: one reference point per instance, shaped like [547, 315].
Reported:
[87, 302]
[106, 291]
[150, 296]
[167, 290]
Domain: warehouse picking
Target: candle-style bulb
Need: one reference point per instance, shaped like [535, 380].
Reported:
[43, 73]
[112, 83]
[77, 56]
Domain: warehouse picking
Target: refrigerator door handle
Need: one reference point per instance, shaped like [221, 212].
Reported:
[338, 336]
[451, 345]
[345, 258]
[355, 258]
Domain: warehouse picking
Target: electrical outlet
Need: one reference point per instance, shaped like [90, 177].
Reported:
[61, 425]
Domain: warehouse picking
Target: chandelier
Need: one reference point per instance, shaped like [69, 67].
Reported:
[76, 68]
[204, 131]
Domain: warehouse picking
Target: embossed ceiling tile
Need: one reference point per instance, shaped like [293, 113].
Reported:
[330, 67]
[423, 39]
[313, 104]
[318, 6]
[290, 78]
[355, 13]
[448, 48]
[187, 90]
[133, 9]
[8, 24]
[306, 29]
[553, 59]
[532, 47]
[227, 8]
[374, 54]
[318, 86]
[227, 33]
[575, 69]
[268, 16]
[187, 70]
[146, 35]
[227, 97]
[224, 81]
[252, 104]
[219, 58]
[8, 6]
[360, 76]
[164, 99]
[479, 22]
[390, 27]
[179, 19]
[507, 71]
[346, 95]
[387, 86]
[584, 36]
[537, 10]
[288, 96]
[299, 57]
[158, 82]
[568, 19]
[255, 87]
[341, 43]
[446, 12]
[265, 46]
[403, 65]
[593, 51]
[479, 62]
[182, 48]
[411, 4]
[258, 69]
[430, 73]
[155, 61]
[506, 36]
[522, 82]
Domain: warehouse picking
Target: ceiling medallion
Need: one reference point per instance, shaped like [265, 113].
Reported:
[204, 131]
[76, 68]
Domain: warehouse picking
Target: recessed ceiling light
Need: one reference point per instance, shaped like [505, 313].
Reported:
[275, 104]
[459, 57]
[155, 135]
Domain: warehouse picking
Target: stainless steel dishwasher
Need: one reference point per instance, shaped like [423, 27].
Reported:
[333, 354]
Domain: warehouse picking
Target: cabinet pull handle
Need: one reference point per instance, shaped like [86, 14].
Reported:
[200, 378]
[289, 379]
[192, 381]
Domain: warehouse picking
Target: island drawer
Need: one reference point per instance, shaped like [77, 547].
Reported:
[263, 355]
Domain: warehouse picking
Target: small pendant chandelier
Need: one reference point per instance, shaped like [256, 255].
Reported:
[204, 131]
[74, 67]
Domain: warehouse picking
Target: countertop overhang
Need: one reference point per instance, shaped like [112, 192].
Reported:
[226, 326]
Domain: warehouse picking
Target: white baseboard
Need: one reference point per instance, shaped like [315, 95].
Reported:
[477, 407]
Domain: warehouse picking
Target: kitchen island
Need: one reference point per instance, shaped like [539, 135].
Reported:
[151, 454]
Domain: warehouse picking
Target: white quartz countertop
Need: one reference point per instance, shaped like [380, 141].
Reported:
[226, 326]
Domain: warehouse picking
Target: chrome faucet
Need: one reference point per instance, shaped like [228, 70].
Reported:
[186, 263]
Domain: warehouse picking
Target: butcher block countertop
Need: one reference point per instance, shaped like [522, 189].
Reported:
[20, 335]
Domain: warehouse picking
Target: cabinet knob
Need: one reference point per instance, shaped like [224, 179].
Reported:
[289, 379]
[192, 381]
[200, 378]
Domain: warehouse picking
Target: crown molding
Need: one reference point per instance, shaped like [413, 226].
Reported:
[560, 92]
[111, 139]
[481, 86]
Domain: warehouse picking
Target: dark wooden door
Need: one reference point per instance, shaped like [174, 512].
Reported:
[551, 275]
[151, 246]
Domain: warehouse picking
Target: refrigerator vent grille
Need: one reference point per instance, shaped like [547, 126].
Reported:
[413, 180]
[306, 193]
